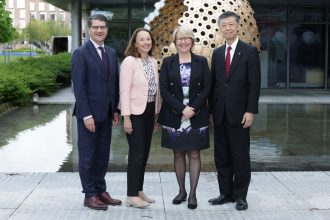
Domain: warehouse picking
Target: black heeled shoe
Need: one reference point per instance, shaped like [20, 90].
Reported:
[177, 200]
[192, 205]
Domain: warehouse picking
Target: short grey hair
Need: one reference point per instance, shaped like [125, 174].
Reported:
[228, 14]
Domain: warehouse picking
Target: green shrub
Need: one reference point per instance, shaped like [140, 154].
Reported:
[20, 79]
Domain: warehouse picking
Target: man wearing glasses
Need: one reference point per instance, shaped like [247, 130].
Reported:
[95, 82]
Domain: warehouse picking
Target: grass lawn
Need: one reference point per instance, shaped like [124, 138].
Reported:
[11, 58]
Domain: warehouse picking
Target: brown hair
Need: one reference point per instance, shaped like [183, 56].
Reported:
[131, 50]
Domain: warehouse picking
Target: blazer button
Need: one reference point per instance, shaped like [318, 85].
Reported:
[199, 84]
[171, 84]
[226, 85]
[172, 94]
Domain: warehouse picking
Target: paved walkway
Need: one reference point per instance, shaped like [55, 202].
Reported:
[272, 196]
[65, 96]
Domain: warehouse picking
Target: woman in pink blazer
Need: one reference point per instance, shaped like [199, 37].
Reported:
[139, 105]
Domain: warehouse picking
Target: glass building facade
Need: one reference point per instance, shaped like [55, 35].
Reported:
[294, 37]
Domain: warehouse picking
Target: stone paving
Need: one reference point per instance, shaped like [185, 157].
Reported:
[272, 196]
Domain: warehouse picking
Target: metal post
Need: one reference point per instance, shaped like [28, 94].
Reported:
[30, 30]
[76, 25]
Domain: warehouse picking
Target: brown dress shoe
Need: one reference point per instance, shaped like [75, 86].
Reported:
[95, 203]
[106, 199]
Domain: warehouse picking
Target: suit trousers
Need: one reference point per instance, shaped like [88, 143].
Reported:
[94, 152]
[139, 142]
[232, 159]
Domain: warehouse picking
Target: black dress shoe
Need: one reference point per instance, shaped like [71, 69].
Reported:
[241, 204]
[222, 199]
[179, 199]
[192, 205]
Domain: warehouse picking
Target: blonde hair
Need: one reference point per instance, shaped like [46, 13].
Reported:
[185, 31]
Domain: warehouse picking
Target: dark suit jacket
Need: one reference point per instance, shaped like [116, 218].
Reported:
[239, 93]
[96, 91]
[172, 93]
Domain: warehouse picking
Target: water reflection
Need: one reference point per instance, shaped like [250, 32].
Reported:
[284, 137]
[35, 139]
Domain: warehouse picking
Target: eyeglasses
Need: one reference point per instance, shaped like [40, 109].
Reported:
[99, 27]
[183, 39]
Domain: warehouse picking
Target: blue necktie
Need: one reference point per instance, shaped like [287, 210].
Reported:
[105, 62]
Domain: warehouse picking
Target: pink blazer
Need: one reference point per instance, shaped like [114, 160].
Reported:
[133, 86]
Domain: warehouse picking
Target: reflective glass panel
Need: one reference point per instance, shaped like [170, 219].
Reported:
[307, 53]
[273, 51]
[118, 38]
[307, 15]
[139, 13]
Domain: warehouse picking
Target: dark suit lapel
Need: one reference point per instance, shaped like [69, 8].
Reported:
[111, 62]
[236, 57]
[221, 61]
[194, 68]
[176, 69]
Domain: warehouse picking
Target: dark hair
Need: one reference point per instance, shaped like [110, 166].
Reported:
[99, 17]
[131, 50]
[228, 14]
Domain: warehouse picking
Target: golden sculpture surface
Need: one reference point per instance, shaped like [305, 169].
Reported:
[202, 17]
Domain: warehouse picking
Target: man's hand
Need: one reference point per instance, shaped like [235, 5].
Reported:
[90, 124]
[247, 119]
[211, 120]
[115, 120]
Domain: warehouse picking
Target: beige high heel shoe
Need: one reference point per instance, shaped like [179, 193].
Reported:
[144, 197]
[136, 202]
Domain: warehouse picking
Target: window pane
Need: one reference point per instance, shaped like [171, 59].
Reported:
[307, 15]
[307, 53]
[32, 6]
[22, 13]
[42, 16]
[141, 13]
[20, 4]
[22, 24]
[116, 13]
[118, 38]
[273, 39]
[137, 25]
[41, 6]
[11, 4]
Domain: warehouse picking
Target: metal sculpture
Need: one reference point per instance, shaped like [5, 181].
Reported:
[202, 17]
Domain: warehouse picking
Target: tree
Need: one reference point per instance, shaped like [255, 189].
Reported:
[8, 32]
[41, 31]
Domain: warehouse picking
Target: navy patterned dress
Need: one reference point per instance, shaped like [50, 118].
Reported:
[185, 137]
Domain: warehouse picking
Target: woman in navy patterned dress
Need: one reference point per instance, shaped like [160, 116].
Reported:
[185, 86]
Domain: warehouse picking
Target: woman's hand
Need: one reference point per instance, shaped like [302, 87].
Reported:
[188, 112]
[127, 124]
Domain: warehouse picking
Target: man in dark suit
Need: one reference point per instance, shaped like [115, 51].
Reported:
[234, 99]
[95, 83]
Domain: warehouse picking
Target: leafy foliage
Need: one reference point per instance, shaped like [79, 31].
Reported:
[8, 32]
[20, 79]
[42, 31]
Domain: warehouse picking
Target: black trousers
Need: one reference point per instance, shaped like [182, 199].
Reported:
[139, 142]
[94, 151]
[232, 159]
